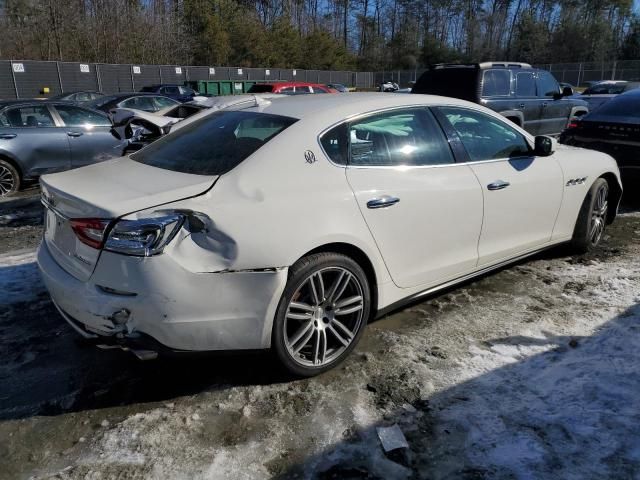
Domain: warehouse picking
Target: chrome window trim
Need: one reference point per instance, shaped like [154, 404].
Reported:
[410, 167]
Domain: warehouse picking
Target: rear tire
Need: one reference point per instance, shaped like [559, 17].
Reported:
[592, 218]
[322, 313]
[9, 179]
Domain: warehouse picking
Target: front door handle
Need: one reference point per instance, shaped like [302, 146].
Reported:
[74, 134]
[544, 104]
[8, 136]
[382, 202]
[498, 185]
[521, 105]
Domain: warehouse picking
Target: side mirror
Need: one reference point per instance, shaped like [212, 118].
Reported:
[567, 91]
[543, 146]
[558, 96]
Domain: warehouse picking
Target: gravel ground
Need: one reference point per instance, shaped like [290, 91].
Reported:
[530, 372]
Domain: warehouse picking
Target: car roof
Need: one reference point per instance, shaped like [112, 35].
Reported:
[302, 106]
[34, 101]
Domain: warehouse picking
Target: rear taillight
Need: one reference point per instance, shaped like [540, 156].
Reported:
[573, 124]
[90, 231]
[143, 237]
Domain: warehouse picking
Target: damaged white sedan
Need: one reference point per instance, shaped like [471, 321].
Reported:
[290, 223]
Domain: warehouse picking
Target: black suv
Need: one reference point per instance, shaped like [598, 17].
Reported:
[529, 97]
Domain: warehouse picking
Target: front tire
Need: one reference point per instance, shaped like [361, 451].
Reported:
[322, 313]
[9, 179]
[592, 218]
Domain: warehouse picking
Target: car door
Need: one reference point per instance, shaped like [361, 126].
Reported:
[89, 134]
[522, 193]
[528, 102]
[30, 134]
[555, 109]
[423, 210]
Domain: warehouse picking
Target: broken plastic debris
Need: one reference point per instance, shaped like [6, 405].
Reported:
[392, 438]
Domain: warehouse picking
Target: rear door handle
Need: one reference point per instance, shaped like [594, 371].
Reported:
[544, 104]
[7, 136]
[74, 134]
[382, 202]
[498, 185]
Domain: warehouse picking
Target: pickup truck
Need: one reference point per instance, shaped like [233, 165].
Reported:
[529, 97]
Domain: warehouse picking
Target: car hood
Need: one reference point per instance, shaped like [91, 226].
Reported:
[118, 187]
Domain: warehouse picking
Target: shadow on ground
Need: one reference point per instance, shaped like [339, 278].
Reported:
[570, 412]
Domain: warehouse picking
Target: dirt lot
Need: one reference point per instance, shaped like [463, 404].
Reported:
[530, 372]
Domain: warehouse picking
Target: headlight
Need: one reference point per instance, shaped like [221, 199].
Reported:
[144, 237]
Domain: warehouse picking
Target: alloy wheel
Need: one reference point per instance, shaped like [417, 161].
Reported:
[324, 316]
[7, 180]
[599, 215]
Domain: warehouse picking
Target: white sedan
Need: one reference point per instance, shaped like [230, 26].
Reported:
[290, 223]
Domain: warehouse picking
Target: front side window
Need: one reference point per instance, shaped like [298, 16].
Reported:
[304, 89]
[547, 85]
[496, 83]
[485, 137]
[408, 137]
[286, 90]
[214, 144]
[187, 91]
[319, 90]
[525, 84]
[31, 116]
[79, 117]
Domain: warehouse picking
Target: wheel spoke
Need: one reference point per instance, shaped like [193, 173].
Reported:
[302, 337]
[302, 306]
[348, 301]
[345, 331]
[317, 288]
[299, 316]
[344, 342]
[339, 286]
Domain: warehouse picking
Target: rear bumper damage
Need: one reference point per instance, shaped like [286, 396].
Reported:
[134, 302]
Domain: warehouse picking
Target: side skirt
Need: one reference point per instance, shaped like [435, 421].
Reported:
[417, 296]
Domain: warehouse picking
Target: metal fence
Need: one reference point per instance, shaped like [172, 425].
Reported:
[579, 73]
[29, 78]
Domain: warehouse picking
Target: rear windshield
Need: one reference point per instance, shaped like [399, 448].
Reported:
[457, 82]
[622, 106]
[149, 89]
[100, 101]
[214, 144]
[261, 89]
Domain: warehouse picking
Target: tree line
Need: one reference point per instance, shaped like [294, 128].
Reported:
[319, 34]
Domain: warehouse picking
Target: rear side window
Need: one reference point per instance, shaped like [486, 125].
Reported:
[303, 89]
[215, 144]
[34, 116]
[496, 83]
[408, 137]
[525, 84]
[485, 137]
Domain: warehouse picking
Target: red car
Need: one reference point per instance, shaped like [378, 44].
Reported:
[290, 88]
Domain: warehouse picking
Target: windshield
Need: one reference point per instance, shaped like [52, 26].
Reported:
[214, 144]
[622, 106]
[605, 89]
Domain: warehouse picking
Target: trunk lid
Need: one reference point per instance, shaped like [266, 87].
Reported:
[106, 190]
